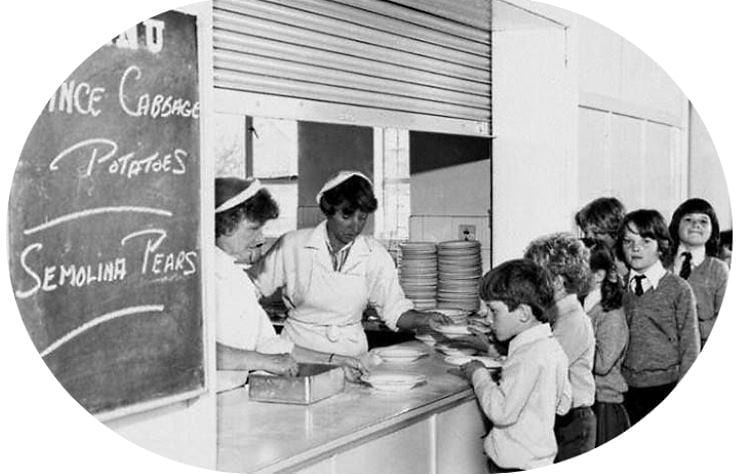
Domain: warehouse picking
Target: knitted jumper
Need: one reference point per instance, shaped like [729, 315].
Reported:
[663, 333]
[709, 281]
[611, 332]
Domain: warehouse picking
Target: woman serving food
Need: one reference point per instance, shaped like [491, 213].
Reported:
[329, 275]
[245, 339]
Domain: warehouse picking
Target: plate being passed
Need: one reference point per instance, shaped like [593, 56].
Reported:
[399, 354]
[393, 381]
[426, 338]
[450, 330]
[455, 351]
[489, 362]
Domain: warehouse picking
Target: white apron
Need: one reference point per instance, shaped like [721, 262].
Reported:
[329, 317]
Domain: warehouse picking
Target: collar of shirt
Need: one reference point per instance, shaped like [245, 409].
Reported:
[697, 257]
[338, 258]
[541, 331]
[566, 306]
[592, 299]
[653, 274]
[319, 239]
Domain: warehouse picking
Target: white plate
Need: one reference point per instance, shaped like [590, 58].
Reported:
[451, 312]
[456, 351]
[393, 381]
[427, 339]
[399, 354]
[450, 330]
[488, 362]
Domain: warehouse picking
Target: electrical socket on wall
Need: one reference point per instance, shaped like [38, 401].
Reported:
[466, 232]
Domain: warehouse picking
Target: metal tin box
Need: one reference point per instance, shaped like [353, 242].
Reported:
[314, 382]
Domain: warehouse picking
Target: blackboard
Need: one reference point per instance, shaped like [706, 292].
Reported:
[104, 225]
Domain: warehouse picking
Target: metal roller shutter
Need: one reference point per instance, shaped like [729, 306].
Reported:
[367, 53]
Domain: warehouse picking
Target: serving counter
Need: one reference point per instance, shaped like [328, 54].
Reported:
[436, 427]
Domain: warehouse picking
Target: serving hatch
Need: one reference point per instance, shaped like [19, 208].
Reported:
[314, 382]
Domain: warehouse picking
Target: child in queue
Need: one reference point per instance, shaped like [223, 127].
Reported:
[604, 306]
[695, 236]
[534, 378]
[599, 222]
[565, 259]
[661, 314]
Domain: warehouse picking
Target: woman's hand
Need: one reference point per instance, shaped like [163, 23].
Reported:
[415, 320]
[354, 368]
[432, 317]
[281, 364]
[470, 367]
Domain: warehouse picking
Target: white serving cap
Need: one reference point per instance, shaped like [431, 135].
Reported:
[338, 179]
[230, 192]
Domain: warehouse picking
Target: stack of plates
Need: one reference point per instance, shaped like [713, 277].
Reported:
[459, 270]
[418, 273]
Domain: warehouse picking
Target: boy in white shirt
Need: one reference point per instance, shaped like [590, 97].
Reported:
[534, 378]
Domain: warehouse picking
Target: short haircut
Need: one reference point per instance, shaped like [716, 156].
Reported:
[606, 213]
[565, 255]
[602, 258]
[695, 206]
[260, 208]
[648, 223]
[352, 194]
[518, 282]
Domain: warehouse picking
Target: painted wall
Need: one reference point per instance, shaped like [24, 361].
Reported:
[534, 176]
[633, 124]
[706, 177]
[578, 113]
[450, 187]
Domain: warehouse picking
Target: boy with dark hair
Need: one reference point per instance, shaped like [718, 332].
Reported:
[661, 314]
[534, 378]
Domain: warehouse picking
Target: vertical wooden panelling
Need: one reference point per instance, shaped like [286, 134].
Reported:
[633, 159]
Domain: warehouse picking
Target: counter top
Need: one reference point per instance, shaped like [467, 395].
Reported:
[255, 436]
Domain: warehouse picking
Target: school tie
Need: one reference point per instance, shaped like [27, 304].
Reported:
[685, 266]
[638, 284]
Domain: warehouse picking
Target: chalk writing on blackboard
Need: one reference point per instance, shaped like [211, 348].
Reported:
[104, 222]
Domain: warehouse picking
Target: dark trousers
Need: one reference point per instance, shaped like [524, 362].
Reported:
[575, 433]
[611, 421]
[493, 467]
[639, 401]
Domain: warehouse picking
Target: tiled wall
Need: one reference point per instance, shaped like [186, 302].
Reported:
[442, 228]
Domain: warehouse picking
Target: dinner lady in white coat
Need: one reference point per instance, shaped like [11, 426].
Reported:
[329, 275]
[245, 338]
